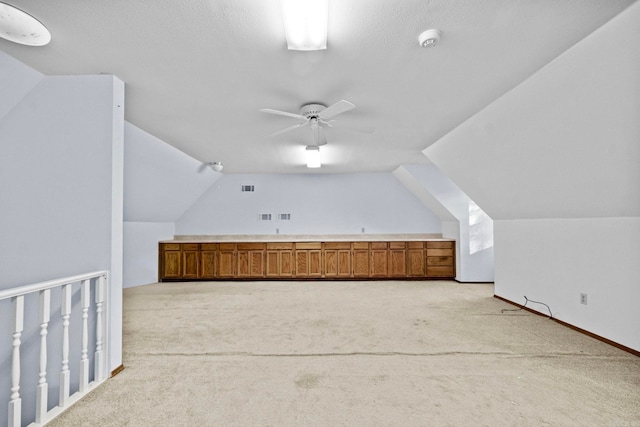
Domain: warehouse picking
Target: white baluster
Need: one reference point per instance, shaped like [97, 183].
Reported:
[84, 359]
[15, 404]
[42, 390]
[99, 370]
[64, 373]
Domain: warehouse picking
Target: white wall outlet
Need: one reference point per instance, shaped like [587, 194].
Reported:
[583, 299]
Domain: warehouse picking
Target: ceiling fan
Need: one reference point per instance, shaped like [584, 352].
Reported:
[315, 116]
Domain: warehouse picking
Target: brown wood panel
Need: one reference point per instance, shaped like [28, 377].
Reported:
[226, 263]
[397, 245]
[344, 263]
[227, 246]
[273, 264]
[243, 269]
[379, 262]
[250, 246]
[315, 264]
[208, 246]
[444, 244]
[257, 263]
[279, 245]
[330, 263]
[208, 264]
[397, 262]
[337, 245]
[416, 263]
[379, 245]
[190, 264]
[439, 260]
[415, 245]
[437, 271]
[190, 246]
[171, 265]
[360, 245]
[170, 246]
[308, 245]
[361, 263]
[286, 263]
[440, 252]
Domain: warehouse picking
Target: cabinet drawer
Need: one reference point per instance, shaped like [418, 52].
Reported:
[438, 271]
[397, 245]
[439, 245]
[360, 245]
[250, 246]
[415, 245]
[440, 260]
[337, 245]
[171, 246]
[190, 246]
[279, 245]
[227, 246]
[308, 245]
[208, 246]
[378, 245]
[439, 252]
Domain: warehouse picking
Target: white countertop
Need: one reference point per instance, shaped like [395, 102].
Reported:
[306, 238]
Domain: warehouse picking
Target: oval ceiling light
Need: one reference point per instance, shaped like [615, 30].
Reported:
[20, 27]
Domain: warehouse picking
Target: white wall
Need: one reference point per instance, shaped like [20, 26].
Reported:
[160, 184]
[141, 250]
[318, 204]
[474, 234]
[556, 164]
[60, 203]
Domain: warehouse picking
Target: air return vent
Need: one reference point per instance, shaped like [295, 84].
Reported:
[284, 217]
[264, 217]
[247, 188]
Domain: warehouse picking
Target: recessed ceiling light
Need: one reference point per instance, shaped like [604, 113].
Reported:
[20, 27]
[305, 23]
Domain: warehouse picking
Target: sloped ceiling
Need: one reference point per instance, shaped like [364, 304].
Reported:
[198, 71]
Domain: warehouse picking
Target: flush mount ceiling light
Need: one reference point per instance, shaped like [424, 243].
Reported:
[313, 156]
[429, 38]
[216, 166]
[305, 23]
[20, 27]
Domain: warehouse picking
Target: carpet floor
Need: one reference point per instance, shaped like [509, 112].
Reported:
[394, 353]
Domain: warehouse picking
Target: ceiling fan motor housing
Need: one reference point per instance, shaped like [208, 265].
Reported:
[311, 110]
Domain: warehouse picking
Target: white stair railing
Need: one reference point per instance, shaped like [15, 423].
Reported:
[17, 295]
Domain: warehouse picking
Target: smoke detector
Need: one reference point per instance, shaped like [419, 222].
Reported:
[429, 38]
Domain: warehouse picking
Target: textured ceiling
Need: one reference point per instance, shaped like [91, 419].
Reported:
[197, 71]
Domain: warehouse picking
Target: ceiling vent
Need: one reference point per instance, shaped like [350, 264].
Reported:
[264, 217]
[284, 217]
[248, 188]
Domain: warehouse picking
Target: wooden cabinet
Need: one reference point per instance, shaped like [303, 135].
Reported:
[250, 258]
[397, 259]
[306, 260]
[440, 259]
[279, 262]
[307, 256]
[337, 260]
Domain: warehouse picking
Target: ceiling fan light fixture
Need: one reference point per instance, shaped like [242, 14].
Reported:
[19, 27]
[313, 156]
[305, 23]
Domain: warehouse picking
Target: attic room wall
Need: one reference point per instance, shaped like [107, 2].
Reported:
[60, 170]
[318, 204]
[556, 164]
[160, 184]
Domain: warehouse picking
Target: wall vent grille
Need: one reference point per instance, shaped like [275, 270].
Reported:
[284, 217]
[264, 217]
[249, 188]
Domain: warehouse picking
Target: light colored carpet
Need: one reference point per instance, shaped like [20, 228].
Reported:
[354, 354]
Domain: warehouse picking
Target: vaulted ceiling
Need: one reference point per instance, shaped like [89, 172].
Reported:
[197, 72]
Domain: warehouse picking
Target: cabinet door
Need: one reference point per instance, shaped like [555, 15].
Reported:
[361, 263]
[226, 262]
[208, 267]
[379, 259]
[273, 264]
[285, 263]
[397, 262]
[416, 263]
[190, 260]
[170, 264]
[256, 263]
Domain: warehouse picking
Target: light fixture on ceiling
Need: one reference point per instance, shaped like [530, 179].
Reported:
[430, 38]
[305, 23]
[313, 156]
[20, 27]
[216, 166]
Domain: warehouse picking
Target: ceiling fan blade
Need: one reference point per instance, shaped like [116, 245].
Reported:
[335, 109]
[288, 129]
[283, 113]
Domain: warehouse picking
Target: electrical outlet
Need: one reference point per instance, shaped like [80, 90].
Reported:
[583, 299]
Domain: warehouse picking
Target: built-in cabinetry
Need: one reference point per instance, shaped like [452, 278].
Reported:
[306, 260]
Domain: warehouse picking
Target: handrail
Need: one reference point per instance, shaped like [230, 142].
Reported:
[27, 289]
